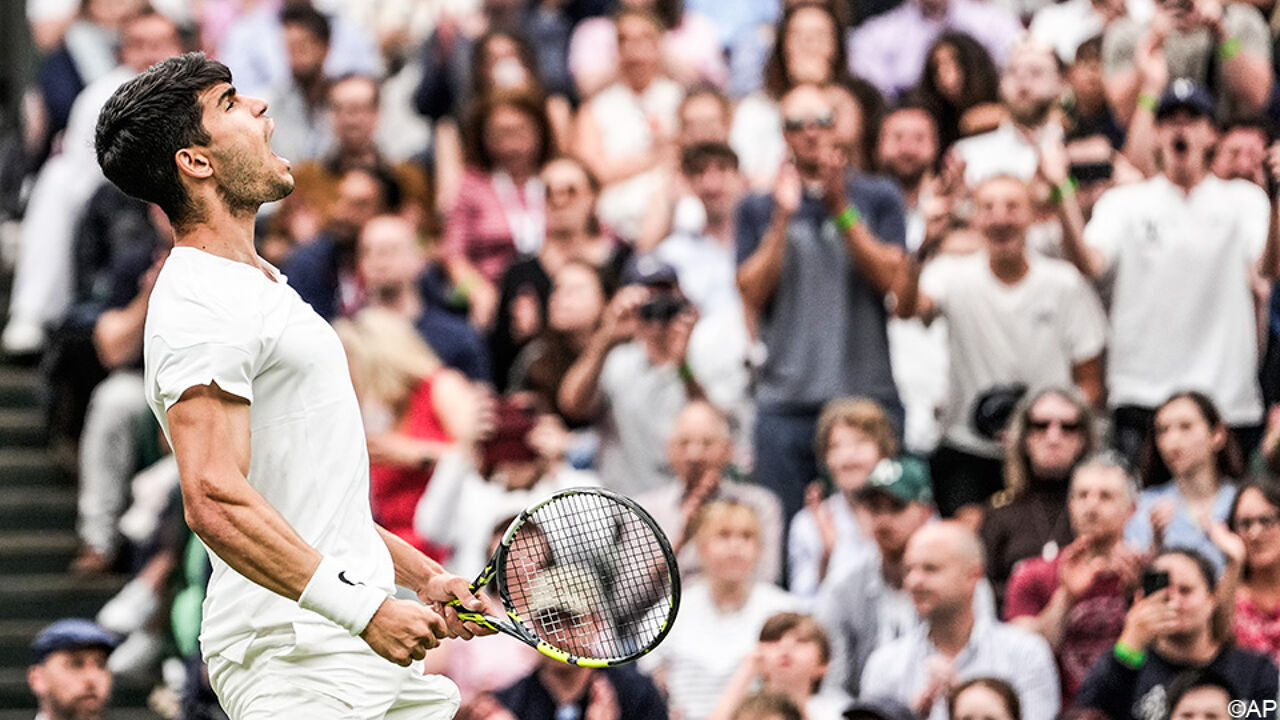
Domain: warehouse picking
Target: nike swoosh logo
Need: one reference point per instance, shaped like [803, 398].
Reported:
[342, 575]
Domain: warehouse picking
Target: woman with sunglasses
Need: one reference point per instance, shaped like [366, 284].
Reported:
[1255, 518]
[1051, 430]
[1192, 463]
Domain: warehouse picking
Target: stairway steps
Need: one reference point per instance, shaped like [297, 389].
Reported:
[22, 427]
[37, 508]
[37, 543]
[21, 387]
[29, 466]
[36, 551]
[50, 597]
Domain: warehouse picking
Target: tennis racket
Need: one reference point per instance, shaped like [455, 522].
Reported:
[586, 577]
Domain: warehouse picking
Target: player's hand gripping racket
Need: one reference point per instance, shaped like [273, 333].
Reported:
[585, 577]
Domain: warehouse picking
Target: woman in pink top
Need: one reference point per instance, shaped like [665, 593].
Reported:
[499, 211]
[1255, 517]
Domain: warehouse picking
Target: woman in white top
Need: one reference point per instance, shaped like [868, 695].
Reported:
[626, 132]
[721, 614]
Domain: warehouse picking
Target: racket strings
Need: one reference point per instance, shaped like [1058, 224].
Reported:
[590, 577]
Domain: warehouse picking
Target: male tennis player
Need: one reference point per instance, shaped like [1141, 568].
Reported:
[251, 387]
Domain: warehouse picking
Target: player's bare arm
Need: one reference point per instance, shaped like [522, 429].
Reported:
[211, 439]
[434, 585]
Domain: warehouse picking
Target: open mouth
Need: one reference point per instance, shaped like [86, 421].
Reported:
[1180, 145]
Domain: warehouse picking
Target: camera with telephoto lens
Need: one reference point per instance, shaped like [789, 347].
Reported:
[663, 307]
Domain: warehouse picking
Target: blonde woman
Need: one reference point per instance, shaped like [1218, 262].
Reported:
[415, 410]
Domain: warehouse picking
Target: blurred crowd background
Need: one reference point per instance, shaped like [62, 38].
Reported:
[939, 335]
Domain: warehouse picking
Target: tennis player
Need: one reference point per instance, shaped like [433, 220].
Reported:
[252, 390]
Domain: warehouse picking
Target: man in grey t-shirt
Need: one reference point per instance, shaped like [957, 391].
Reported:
[815, 259]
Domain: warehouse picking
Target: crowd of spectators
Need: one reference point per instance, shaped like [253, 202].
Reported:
[938, 335]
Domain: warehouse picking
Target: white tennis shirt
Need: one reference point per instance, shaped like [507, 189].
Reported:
[214, 320]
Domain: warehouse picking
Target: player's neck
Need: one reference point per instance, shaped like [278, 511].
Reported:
[221, 233]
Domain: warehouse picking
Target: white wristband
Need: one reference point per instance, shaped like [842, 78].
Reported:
[349, 603]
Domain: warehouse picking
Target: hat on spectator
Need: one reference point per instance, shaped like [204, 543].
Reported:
[905, 480]
[70, 634]
[649, 271]
[878, 708]
[1182, 93]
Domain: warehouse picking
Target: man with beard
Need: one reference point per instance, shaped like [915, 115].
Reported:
[69, 674]
[252, 390]
[1076, 600]
[1030, 86]
[1012, 318]
[1182, 251]
[323, 270]
[907, 151]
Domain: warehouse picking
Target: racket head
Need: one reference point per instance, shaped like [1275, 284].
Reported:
[588, 578]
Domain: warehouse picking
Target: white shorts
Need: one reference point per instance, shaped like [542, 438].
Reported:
[340, 679]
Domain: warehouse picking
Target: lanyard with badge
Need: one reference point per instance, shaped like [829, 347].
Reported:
[527, 218]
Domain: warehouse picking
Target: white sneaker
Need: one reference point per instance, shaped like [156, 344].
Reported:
[22, 337]
[130, 609]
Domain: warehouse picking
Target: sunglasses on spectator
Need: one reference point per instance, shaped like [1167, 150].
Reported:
[1266, 522]
[826, 121]
[569, 189]
[1043, 425]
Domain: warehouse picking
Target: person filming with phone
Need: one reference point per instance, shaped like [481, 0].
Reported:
[1170, 629]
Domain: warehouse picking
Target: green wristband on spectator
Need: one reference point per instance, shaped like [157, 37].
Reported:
[847, 219]
[1131, 658]
[1229, 48]
[1148, 102]
[685, 372]
[1064, 191]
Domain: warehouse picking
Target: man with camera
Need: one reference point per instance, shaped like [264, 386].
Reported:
[635, 375]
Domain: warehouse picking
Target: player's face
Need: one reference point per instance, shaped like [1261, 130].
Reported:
[247, 172]
[72, 683]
